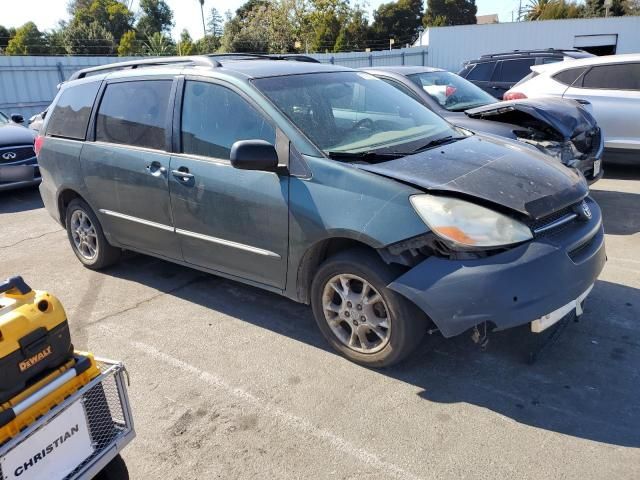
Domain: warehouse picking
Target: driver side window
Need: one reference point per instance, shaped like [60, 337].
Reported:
[215, 117]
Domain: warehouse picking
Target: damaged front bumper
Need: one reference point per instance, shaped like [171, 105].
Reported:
[511, 288]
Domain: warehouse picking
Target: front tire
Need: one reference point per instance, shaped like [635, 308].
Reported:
[87, 238]
[360, 317]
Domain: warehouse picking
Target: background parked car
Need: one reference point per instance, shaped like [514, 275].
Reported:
[497, 73]
[563, 129]
[611, 84]
[17, 158]
[36, 121]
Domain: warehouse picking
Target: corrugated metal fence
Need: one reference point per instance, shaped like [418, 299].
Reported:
[28, 84]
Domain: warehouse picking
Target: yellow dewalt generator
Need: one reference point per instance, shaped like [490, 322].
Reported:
[63, 414]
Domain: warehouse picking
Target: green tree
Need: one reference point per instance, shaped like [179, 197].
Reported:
[28, 40]
[158, 45]
[558, 9]
[91, 39]
[112, 15]
[450, 12]
[327, 18]
[536, 8]
[206, 45]
[156, 16]
[185, 46]
[129, 44]
[215, 23]
[55, 40]
[596, 8]
[399, 20]
[353, 34]
[5, 35]
[248, 31]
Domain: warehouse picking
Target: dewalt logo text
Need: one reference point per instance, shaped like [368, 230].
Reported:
[31, 361]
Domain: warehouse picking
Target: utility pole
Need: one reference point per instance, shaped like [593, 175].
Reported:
[204, 28]
[520, 11]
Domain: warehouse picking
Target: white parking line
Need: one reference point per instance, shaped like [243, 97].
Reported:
[300, 424]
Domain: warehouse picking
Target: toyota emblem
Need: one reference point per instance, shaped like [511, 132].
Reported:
[9, 156]
[586, 211]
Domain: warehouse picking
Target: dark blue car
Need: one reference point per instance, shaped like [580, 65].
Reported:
[17, 158]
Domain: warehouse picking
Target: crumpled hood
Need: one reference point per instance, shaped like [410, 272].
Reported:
[11, 135]
[567, 117]
[496, 170]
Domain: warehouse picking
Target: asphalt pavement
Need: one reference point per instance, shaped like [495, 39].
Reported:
[228, 381]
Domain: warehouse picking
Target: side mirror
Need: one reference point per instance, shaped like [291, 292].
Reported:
[254, 155]
[17, 118]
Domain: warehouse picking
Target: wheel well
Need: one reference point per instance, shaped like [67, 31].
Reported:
[64, 199]
[317, 254]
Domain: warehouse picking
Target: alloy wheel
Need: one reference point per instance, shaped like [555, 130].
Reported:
[84, 235]
[356, 313]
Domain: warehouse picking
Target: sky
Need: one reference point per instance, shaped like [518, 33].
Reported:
[47, 13]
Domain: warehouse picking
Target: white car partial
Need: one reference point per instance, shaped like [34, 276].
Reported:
[610, 84]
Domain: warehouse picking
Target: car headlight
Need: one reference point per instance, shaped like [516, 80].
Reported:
[467, 224]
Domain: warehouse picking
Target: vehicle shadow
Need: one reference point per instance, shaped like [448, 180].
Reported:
[619, 211]
[614, 171]
[586, 385]
[22, 200]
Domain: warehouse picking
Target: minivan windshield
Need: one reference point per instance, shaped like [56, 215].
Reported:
[354, 113]
[451, 91]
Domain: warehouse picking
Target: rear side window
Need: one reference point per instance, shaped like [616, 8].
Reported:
[482, 71]
[568, 77]
[70, 116]
[624, 76]
[134, 113]
[215, 117]
[515, 70]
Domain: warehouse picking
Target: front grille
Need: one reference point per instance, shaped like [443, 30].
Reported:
[16, 154]
[554, 222]
[575, 254]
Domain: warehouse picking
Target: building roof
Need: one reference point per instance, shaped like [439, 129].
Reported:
[486, 19]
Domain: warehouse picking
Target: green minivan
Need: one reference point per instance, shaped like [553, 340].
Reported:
[324, 184]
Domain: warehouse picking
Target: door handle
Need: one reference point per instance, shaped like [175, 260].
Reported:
[183, 174]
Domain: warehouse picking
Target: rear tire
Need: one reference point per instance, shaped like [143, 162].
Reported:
[87, 238]
[359, 316]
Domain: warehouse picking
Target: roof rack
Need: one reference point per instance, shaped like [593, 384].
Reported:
[294, 57]
[203, 60]
[531, 52]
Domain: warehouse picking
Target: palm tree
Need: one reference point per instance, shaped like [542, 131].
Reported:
[204, 28]
[157, 45]
[536, 8]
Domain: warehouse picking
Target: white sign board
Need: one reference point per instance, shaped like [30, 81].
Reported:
[53, 451]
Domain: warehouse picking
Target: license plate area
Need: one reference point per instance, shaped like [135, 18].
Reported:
[59, 446]
[546, 321]
[597, 165]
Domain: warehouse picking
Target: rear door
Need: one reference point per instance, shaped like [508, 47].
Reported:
[126, 167]
[508, 73]
[481, 75]
[228, 220]
[614, 93]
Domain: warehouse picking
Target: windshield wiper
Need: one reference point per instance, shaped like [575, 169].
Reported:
[436, 142]
[369, 155]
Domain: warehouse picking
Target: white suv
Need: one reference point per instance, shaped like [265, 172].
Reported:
[611, 84]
